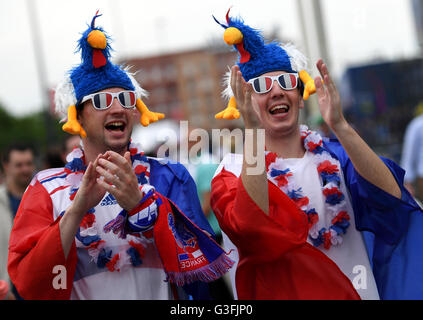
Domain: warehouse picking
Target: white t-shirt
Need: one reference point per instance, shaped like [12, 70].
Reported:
[351, 256]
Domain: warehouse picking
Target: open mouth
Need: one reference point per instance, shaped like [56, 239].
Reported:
[279, 109]
[115, 126]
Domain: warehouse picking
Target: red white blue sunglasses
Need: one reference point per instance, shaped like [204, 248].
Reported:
[263, 84]
[104, 100]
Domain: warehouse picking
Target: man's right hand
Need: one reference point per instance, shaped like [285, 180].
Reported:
[254, 183]
[90, 192]
[88, 196]
[242, 91]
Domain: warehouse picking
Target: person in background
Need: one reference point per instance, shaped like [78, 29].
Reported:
[19, 167]
[202, 166]
[322, 128]
[55, 156]
[412, 155]
[71, 142]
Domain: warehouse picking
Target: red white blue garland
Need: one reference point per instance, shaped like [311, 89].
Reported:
[140, 232]
[329, 173]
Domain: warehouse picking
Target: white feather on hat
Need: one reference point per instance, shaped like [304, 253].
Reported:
[64, 96]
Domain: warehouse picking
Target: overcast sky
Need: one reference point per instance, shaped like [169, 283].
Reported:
[358, 31]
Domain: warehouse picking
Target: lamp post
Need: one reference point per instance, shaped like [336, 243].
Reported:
[41, 69]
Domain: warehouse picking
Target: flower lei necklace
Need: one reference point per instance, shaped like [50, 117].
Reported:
[329, 173]
[88, 236]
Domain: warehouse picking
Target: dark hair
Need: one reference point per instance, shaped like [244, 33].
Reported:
[301, 86]
[79, 107]
[18, 146]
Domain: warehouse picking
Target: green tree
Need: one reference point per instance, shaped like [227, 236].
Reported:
[38, 129]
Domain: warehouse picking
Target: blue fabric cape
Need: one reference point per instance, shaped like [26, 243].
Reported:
[172, 180]
[392, 229]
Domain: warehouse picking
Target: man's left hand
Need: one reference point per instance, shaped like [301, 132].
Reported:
[119, 179]
[328, 98]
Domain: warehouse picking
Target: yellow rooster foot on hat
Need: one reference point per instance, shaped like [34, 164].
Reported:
[309, 89]
[309, 85]
[230, 113]
[72, 125]
[147, 116]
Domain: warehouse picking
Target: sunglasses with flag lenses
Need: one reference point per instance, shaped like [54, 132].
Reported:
[104, 100]
[263, 84]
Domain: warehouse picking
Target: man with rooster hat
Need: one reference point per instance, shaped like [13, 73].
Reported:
[113, 223]
[322, 218]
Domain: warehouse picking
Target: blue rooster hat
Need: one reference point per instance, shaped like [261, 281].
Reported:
[93, 74]
[256, 57]
[96, 72]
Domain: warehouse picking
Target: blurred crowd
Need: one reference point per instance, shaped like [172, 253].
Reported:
[20, 162]
[18, 166]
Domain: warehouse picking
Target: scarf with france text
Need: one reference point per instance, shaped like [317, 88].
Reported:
[187, 252]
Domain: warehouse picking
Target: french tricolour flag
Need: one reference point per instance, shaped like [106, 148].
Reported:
[193, 255]
[288, 81]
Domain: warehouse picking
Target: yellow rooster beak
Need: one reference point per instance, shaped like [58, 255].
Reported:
[232, 36]
[97, 39]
